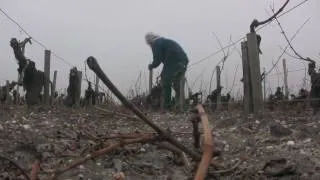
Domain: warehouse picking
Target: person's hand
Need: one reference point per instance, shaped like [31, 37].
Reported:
[150, 67]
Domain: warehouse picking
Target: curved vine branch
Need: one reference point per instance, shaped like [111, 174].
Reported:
[287, 46]
[289, 43]
[288, 54]
[256, 23]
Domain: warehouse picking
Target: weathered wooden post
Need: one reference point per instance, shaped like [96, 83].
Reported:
[90, 101]
[253, 100]
[79, 74]
[247, 99]
[182, 93]
[47, 54]
[218, 105]
[54, 82]
[18, 93]
[53, 88]
[285, 79]
[150, 80]
[254, 62]
[96, 89]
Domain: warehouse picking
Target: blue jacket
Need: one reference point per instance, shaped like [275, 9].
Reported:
[169, 53]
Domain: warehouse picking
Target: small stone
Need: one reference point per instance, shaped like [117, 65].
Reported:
[290, 143]
[226, 148]
[257, 122]
[302, 152]
[5, 175]
[81, 167]
[142, 149]
[269, 147]
[278, 130]
[26, 126]
[98, 164]
[307, 140]
[80, 176]
[108, 165]
[1, 127]
[46, 155]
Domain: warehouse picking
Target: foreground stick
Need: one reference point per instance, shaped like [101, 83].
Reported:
[101, 152]
[207, 145]
[94, 66]
[24, 174]
[35, 170]
[116, 113]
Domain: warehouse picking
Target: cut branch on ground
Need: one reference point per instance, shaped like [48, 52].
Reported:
[17, 166]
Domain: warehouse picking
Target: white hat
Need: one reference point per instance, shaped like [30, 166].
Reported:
[150, 37]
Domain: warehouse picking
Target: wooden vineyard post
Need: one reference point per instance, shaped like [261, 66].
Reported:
[246, 79]
[18, 94]
[182, 93]
[96, 89]
[285, 79]
[79, 74]
[254, 63]
[253, 100]
[218, 105]
[54, 82]
[90, 101]
[47, 54]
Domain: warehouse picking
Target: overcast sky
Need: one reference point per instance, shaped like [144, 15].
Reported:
[113, 32]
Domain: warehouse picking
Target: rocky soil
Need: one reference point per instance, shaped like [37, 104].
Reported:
[274, 145]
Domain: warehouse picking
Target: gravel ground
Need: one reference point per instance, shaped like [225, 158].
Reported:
[274, 145]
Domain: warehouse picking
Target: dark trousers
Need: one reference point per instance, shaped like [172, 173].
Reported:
[315, 98]
[172, 80]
